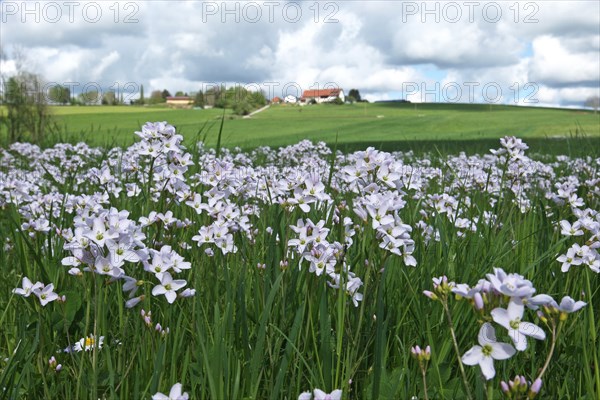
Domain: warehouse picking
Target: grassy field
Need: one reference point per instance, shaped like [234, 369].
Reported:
[385, 125]
[287, 280]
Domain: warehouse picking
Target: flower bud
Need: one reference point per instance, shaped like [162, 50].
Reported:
[430, 294]
[427, 354]
[505, 388]
[563, 316]
[134, 301]
[478, 301]
[536, 386]
[542, 317]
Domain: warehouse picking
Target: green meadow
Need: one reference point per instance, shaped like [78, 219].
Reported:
[389, 126]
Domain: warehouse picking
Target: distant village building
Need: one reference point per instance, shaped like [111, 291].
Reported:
[276, 100]
[323, 95]
[180, 101]
[290, 99]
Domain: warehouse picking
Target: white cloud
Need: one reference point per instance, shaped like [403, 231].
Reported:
[375, 47]
[105, 62]
[556, 64]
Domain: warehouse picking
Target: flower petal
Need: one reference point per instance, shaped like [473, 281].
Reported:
[487, 334]
[515, 308]
[487, 367]
[502, 351]
[518, 339]
[171, 296]
[473, 356]
[529, 329]
[158, 290]
[500, 316]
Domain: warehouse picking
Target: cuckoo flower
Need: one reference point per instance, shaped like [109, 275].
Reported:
[518, 330]
[488, 350]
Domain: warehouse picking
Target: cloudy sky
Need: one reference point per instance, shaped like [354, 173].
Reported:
[527, 52]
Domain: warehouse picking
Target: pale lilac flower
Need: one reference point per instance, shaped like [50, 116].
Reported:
[168, 287]
[45, 294]
[488, 350]
[518, 330]
[28, 287]
[512, 285]
[568, 305]
[569, 259]
[305, 396]
[174, 394]
[570, 230]
[321, 395]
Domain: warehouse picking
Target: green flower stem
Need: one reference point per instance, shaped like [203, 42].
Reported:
[444, 302]
[552, 346]
[424, 375]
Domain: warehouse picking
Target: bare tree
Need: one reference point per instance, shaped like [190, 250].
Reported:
[593, 102]
[26, 105]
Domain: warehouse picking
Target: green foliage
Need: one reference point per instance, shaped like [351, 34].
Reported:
[354, 95]
[156, 97]
[199, 99]
[26, 115]
[110, 98]
[59, 94]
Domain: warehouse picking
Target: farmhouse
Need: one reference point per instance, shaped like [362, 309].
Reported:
[323, 95]
[180, 101]
[290, 99]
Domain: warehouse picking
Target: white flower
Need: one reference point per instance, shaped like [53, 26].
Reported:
[28, 287]
[568, 305]
[168, 287]
[174, 394]
[517, 330]
[488, 351]
[45, 294]
[321, 395]
[305, 396]
[88, 343]
[513, 285]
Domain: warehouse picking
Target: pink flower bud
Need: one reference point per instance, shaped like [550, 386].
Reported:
[536, 386]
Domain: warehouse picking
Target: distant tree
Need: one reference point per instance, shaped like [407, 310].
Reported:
[156, 97]
[593, 102]
[165, 93]
[109, 98]
[213, 95]
[89, 97]
[141, 100]
[354, 95]
[242, 108]
[179, 93]
[199, 99]
[59, 94]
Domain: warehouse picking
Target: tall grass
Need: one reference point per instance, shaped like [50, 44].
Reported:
[274, 332]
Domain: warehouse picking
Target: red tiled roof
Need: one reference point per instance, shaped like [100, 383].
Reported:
[321, 93]
[179, 98]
